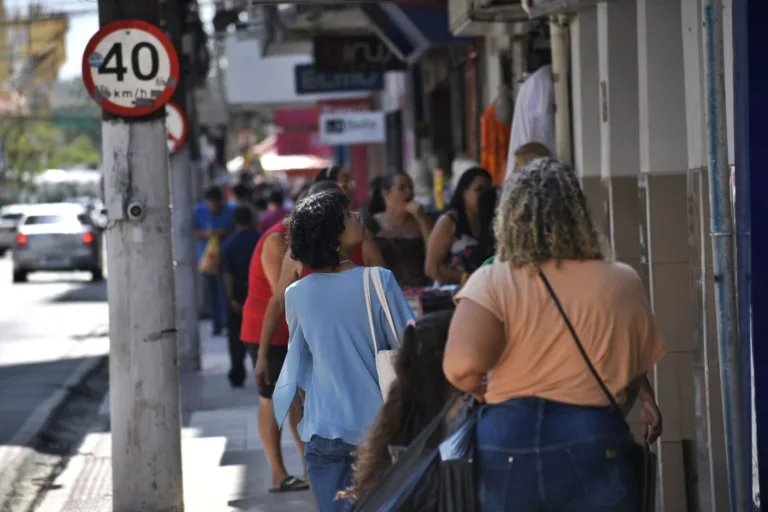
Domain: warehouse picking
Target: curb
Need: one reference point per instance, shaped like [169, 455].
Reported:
[14, 454]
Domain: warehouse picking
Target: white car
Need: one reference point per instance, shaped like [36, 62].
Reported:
[9, 219]
[57, 237]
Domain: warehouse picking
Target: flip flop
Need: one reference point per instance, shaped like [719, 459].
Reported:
[290, 484]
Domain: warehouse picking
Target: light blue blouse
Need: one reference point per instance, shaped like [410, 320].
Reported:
[330, 352]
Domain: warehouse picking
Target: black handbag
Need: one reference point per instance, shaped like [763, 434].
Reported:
[643, 459]
[431, 475]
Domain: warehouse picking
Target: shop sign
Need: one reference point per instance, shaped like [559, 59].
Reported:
[348, 128]
[310, 81]
[344, 105]
[334, 54]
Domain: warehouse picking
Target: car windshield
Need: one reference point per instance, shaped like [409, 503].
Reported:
[36, 220]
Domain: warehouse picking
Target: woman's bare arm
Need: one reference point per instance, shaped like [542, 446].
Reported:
[372, 255]
[438, 249]
[275, 312]
[475, 344]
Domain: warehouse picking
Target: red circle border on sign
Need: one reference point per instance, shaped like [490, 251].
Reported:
[177, 143]
[103, 32]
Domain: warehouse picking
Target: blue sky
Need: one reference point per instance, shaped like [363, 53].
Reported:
[82, 26]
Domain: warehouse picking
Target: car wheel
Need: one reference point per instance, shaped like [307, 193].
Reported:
[97, 275]
[19, 276]
[2, 252]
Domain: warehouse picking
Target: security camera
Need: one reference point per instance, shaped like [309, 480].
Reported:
[135, 211]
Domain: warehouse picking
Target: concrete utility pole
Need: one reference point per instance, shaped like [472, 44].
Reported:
[183, 172]
[144, 378]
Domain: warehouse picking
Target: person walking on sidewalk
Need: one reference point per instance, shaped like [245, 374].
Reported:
[331, 355]
[365, 253]
[264, 270]
[551, 336]
[275, 211]
[236, 253]
[214, 218]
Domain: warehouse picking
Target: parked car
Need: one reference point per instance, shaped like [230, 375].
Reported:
[9, 218]
[57, 237]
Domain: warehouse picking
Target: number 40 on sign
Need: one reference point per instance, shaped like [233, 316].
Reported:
[130, 68]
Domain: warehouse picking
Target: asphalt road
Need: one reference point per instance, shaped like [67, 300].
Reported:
[48, 328]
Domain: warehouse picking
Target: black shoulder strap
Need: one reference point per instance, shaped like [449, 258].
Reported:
[575, 336]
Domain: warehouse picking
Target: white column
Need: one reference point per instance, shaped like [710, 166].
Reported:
[661, 86]
[664, 168]
[693, 63]
[585, 94]
[619, 126]
[617, 50]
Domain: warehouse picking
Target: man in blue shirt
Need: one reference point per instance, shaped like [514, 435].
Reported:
[236, 254]
[214, 218]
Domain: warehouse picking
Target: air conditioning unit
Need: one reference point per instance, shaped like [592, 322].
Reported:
[539, 8]
[471, 17]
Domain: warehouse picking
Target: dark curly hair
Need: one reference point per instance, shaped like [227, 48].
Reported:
[418, 394]
[317, 224]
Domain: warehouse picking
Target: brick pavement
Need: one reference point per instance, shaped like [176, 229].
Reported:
[223, 459]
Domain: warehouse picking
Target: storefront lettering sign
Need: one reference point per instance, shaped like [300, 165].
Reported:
[310, 81]
[354, 54]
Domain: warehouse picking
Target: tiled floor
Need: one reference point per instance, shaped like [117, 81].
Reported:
[223, 459]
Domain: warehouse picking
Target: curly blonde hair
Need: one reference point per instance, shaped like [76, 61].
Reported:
[543, 216]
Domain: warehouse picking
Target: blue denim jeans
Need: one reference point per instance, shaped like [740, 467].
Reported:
[216, 300]
[537, 455]
[329, 466]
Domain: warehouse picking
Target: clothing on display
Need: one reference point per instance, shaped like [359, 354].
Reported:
[494, 143]
[534, 117]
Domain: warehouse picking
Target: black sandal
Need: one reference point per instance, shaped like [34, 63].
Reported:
[290, 484]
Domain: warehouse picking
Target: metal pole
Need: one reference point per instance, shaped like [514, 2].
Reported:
[183, 172]
[559, 38]
[144, 379]
[723, 250]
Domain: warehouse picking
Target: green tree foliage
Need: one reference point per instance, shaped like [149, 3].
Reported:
[28, 147]
[80, 151]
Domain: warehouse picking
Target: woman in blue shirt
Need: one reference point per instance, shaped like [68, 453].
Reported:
[331, 353]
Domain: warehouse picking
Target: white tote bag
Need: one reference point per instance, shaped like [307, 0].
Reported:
[384, 358]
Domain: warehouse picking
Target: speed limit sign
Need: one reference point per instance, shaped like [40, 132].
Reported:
[130, 68]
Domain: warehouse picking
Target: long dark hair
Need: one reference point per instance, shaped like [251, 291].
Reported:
[486, 246]
[418, 394]
[378, 186]
[457, 201]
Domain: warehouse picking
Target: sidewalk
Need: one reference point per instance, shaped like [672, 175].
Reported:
[223, 460]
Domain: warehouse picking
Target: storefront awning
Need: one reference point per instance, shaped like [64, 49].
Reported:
[272, 162]
[409, 30]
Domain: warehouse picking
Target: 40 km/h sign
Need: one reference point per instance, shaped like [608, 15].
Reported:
[176, 125]
[130, 68]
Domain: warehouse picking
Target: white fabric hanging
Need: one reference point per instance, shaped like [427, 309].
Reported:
[534, 117]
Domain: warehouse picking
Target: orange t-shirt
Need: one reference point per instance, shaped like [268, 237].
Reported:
[607, 306]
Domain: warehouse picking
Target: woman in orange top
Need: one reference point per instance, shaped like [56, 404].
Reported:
[549, 438]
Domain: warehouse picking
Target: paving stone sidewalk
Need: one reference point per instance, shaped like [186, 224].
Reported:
[223, 459]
